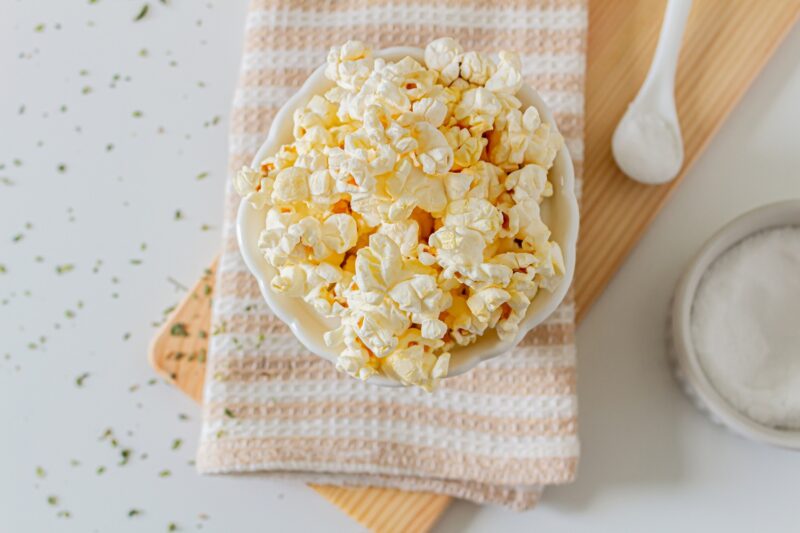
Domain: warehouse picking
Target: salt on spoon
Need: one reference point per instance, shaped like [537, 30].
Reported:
[647, 144]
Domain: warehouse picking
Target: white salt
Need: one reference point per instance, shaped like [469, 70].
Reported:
[746, 326]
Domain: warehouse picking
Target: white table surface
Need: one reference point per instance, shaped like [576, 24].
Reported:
[650, 460]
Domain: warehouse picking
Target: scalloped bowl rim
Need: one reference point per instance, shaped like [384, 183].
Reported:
[463, 359]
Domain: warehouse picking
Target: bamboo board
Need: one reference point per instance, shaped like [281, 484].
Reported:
[726, 44]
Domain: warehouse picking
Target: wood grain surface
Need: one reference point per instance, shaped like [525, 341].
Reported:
[726, 44]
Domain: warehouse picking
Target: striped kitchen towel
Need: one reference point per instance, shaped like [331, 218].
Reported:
[496, 434]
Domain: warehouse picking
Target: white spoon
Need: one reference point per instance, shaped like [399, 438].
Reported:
[647, 143]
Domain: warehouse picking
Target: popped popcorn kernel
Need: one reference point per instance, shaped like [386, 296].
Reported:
[408, 207]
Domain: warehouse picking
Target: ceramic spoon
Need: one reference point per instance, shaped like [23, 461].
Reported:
[647, 143]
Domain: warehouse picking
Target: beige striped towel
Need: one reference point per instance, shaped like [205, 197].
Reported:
[498, 433]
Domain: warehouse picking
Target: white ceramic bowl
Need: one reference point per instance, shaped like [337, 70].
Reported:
[688, 368]
[560, 212]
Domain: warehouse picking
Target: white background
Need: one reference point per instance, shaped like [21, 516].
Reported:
[650, 460]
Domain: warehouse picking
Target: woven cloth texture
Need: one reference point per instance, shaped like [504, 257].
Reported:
[498, 433]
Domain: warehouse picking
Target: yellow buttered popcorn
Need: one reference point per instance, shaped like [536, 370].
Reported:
[408, 207]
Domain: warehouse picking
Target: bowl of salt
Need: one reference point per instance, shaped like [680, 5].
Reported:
[735, 327]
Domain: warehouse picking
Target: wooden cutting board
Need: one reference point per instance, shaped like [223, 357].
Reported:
[727, 42]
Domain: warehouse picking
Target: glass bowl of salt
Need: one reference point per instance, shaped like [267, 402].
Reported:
[735, 326]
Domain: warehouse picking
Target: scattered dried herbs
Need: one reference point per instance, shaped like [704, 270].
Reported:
[142, 12]
[63, 269]
[81, 379]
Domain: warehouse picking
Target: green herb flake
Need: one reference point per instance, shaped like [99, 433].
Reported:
[64, 514]
[81, 379]
[229, 413]
[125, 454]
[3, 269]
[142, 12]
[177, 444]
[62, 168]
[183, 417]
[136, 262]
[179, 215]
[172, 526]
[134, 512]
[202, 176]
[39, 28]
[144, 52]
[40, 473]
[100, 470]
[87, 89]
[63, 269]
[74, 462]
[179, 330]
[137, 114]
[165, 473]
[52, 500]
[18, 237]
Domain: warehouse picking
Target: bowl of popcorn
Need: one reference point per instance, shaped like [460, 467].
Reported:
[412, 212]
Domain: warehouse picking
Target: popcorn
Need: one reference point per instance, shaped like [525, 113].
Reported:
[253, 187]
[349, 65]
[476, 68]
[408, 207]
[291, 185]
[433, 151]
[522, 138]
[442, 52]
[506, 78]
[430, 110]
[476, 214]
[484, 302]
[423, 299]
[414, 362]
[477, 110]
[467, 149]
